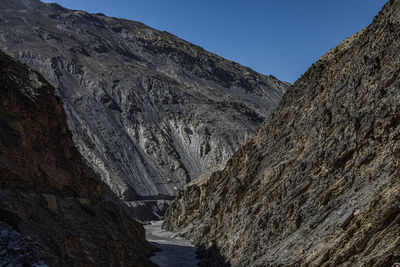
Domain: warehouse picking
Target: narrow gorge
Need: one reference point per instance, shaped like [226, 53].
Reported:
[124, 145]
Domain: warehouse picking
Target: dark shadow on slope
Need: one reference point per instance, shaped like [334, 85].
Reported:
[53, 207]
[211, 257]
[174, 256]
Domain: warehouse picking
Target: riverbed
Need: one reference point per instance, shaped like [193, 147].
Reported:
[175, 251]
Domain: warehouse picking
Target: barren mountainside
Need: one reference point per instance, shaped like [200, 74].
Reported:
[54, 211]
[319, 182]
[148, 111]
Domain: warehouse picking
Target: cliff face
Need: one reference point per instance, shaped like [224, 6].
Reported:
[319, 183]
[148, 111]
[53, 209]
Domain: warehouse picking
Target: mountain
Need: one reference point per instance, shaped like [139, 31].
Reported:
[148, 111]
[53, 209]
[319, 182]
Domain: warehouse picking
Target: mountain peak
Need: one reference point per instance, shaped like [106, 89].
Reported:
[150, 111]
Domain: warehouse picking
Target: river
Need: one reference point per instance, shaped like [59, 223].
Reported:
[175, 251]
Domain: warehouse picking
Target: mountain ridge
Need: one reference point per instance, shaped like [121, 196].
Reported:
[319, 182]
[148, 110]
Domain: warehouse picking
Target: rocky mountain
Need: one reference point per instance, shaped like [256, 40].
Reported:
[148, 111]
[54, 211]
[319, 182]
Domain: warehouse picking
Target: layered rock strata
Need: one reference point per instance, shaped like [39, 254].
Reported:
[319, 183]
[148, 111]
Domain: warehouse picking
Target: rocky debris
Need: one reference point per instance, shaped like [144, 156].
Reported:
[331, 147]
[54, 211]
[17, 250]
[149, 112]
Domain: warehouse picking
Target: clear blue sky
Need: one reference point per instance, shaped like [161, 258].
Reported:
[278, 37]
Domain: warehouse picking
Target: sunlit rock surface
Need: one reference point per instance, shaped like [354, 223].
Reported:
[319, 183]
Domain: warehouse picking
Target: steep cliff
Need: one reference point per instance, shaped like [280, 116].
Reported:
[53, 209]
[319, 183]
[148, 111]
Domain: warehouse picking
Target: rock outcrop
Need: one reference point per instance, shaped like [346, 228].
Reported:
[148, 111]
[54, 211]
[319, 182]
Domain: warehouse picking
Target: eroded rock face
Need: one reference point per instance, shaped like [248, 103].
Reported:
[54, 211]
[319, 183]
[148, 111]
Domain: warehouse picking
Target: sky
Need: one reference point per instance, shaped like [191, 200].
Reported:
[275, 37]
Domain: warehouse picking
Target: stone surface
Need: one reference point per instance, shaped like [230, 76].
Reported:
[53, 209]
[332, 146]
[149, 112]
